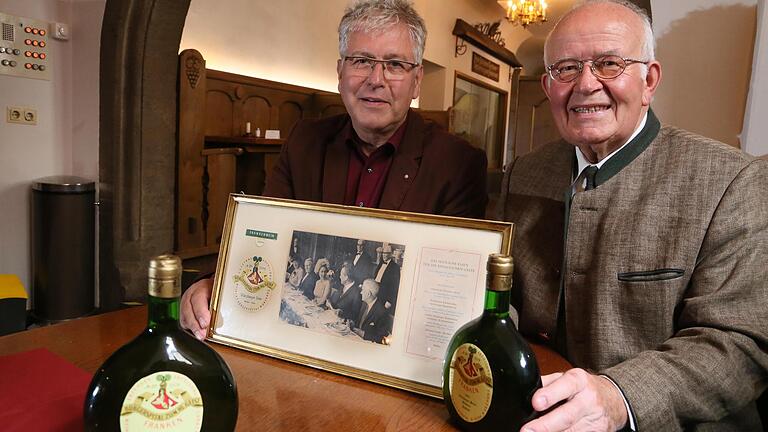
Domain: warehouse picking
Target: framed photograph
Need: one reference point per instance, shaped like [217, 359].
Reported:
[373, 294]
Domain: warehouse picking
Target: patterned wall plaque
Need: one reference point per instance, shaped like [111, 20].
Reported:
[485, 67]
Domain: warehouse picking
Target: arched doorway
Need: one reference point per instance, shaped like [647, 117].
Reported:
[137, 141]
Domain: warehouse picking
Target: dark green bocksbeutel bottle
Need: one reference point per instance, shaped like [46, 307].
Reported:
[165, 379]
[490, 372]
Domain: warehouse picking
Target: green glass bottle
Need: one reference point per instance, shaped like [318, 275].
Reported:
[490, 372]
[165, 379]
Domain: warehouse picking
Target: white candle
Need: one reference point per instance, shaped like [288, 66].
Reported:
[247, 127]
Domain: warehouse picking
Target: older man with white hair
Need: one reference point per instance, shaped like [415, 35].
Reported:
[640, 249]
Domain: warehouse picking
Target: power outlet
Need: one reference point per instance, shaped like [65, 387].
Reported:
[30, 116]
[27, 116]
[15, 115]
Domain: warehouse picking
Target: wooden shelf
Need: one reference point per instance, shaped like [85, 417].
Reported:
[230, 141]
[472, 35]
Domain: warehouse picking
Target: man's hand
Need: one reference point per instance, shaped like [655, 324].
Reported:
[195, 315]
[589, 403]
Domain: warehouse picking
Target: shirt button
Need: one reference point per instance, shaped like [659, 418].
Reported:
[406, 176]
[370, 170]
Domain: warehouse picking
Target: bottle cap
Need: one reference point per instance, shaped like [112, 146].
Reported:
[500, 269]
[165, 276]
[500, 264]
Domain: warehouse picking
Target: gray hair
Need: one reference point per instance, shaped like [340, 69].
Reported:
[378, 15]
[647, 50]
[372, 285]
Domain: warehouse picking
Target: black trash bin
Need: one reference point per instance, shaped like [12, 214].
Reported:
[63, 233]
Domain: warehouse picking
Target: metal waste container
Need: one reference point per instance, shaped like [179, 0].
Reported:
[63, 243]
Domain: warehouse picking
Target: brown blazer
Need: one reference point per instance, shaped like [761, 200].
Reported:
[665, 275]
[432, 171]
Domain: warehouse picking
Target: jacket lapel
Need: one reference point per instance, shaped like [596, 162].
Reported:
[345, 294]
[405, 165]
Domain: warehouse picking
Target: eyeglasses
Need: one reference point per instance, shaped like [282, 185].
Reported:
[394, 70]
[605, 67]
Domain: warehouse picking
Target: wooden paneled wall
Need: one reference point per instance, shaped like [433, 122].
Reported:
[214, 157]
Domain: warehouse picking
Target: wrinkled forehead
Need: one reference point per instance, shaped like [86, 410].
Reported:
[598, 30]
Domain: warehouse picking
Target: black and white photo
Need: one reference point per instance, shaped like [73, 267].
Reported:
[344, 286]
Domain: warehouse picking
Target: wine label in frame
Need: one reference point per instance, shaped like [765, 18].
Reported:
[164, 400]
[470, 382]
[254, 283]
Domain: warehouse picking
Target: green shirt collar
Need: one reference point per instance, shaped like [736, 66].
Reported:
[630, 151]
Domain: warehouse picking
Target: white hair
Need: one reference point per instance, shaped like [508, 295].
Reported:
[371, 16]
[372, 285]
[648, 48]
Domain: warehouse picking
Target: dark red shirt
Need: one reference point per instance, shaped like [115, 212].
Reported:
[366, 175]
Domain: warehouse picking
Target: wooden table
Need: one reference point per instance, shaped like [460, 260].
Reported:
[274, 395]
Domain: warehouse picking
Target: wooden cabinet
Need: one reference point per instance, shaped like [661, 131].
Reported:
[214, 159]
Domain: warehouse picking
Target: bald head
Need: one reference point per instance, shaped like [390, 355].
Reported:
[593, 111]
[597, 12]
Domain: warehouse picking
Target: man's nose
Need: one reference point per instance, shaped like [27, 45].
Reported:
[377, 74]
[587, 82]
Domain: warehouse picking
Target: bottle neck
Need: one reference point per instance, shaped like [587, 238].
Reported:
[497, 303]
[163, 312]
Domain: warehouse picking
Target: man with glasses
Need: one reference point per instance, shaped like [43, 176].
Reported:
[381, 154]
[641, 250]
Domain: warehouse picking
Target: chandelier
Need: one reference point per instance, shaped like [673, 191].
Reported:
[525, 12]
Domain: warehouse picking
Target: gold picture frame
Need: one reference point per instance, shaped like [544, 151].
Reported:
[392, 328]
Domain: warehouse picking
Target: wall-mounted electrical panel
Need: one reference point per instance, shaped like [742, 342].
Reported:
[24, 50]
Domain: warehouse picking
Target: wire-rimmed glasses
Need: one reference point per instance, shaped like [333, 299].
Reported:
[604, 67]
[394, 69]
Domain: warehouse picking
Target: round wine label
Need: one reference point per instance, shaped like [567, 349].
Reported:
[254, 283]
[470, 382]
[166, 400]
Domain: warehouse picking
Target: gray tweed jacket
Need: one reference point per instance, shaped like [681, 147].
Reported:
[664, 277]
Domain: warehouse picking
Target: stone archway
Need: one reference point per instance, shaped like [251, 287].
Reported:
[137, 141]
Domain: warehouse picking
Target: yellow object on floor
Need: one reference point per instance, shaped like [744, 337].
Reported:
[11, 287]
[13, 304]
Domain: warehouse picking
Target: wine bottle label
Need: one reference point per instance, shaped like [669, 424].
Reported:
[164, 400]
[470, 382]
[253, 283]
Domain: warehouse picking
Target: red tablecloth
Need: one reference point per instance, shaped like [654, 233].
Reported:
[40, 391]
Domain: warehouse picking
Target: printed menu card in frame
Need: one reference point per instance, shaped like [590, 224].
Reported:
[373, 294]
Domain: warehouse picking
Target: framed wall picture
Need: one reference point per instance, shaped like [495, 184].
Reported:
[373, 294]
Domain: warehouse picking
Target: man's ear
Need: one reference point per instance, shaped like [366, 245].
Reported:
[652, 80]
[545, 81]
[417, 82]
